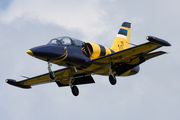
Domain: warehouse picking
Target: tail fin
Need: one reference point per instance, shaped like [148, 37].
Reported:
[122, 40]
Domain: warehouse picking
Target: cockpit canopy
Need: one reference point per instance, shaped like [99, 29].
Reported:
[65, 41]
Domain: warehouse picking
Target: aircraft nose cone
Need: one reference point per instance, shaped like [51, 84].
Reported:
[47, 52]
[30, 52]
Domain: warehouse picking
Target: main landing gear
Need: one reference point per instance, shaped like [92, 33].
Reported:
[74, 89]
[112, 78]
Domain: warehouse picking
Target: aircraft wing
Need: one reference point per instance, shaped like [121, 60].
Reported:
[130, 54]
[61, 79]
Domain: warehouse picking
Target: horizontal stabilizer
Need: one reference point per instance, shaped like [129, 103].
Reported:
[17, 84]
[154, 54]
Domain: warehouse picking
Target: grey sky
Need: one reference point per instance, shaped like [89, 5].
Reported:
[152, 94]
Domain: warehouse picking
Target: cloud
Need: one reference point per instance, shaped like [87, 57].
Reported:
[84, 16]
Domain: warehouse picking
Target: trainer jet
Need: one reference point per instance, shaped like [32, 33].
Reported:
[82, 59]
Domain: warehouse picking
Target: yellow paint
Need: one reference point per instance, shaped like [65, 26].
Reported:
[96, 51]
[108, 51]
[126, 73]
[103, 71]
[134, 61]
[67, 73]
[61, 58]
[30, 52]
[92, 67]
[66, 82]
[121, 43]
[63, 74]
[83, 49]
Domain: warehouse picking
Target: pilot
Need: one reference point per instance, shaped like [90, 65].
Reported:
[58, 42]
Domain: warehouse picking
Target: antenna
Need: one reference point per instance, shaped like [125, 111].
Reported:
[24, 77]
[132, 44]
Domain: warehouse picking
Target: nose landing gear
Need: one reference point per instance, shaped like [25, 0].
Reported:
[74, 89]
[51, 73]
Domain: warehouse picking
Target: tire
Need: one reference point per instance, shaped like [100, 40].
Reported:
[52, 76]
[112, 80]
[75, 91]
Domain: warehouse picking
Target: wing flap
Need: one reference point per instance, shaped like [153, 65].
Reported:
[154, 54]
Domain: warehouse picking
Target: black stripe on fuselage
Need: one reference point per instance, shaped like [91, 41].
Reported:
[112, 51]
[103, 50]
[122, 33]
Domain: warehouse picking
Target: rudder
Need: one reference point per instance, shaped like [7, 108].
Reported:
[122, 40]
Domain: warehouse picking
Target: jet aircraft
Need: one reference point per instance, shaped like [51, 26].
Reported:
[83, 59]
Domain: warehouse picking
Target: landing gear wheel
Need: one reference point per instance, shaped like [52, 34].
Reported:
[75, 90]
[112, 80]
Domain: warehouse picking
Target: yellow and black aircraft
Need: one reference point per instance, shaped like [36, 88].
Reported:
[83, 59]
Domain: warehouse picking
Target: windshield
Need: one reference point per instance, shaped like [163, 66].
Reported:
[65, 41]
[77, 42]
[54, 42]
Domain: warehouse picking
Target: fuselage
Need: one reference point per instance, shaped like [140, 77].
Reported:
[69, 52]
[61, 55]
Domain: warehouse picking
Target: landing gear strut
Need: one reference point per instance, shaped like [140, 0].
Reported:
[74, 89]
[51, 73]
